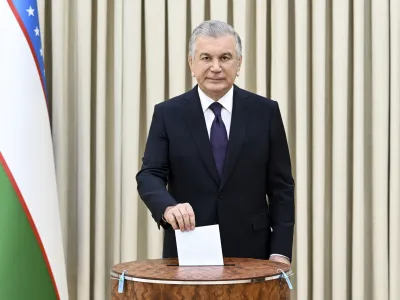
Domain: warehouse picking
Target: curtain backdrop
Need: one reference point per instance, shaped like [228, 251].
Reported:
[334, 68]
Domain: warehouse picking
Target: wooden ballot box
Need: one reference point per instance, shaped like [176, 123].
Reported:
[239, 278]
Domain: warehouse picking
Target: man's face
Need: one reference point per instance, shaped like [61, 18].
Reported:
[215, 64]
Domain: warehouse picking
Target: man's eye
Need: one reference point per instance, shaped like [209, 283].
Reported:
[205, 58]
[225, 58]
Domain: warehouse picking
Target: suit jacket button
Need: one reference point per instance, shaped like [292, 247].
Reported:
[221, 196]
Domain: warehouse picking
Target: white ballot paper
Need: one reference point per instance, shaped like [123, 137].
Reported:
[199, 247]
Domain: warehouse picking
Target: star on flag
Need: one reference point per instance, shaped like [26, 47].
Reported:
[31, 11]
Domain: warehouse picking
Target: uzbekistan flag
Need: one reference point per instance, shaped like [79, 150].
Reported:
[32, 264]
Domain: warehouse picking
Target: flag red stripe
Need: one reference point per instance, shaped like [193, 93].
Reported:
[29, 217]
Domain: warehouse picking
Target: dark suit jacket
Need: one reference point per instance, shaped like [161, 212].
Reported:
[178, 154]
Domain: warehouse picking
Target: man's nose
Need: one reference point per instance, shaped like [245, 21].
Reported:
[216, 67]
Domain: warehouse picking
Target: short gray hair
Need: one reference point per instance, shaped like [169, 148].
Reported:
[214, 28]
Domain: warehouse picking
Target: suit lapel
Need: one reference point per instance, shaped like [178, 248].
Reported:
[194, 118]
[240, 116]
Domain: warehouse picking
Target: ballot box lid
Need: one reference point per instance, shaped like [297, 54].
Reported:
[235, 270]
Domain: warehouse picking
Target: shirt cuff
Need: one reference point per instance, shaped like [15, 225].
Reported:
[280, 256]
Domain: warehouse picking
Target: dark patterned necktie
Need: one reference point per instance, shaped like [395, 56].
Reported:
[218, 137]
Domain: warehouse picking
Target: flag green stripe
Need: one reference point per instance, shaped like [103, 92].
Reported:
[23, 270]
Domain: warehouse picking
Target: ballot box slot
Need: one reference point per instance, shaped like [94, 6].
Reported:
[225, 265]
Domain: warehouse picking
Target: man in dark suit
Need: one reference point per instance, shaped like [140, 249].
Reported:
[221, 151]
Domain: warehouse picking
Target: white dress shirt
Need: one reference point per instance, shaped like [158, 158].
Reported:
[226, 113]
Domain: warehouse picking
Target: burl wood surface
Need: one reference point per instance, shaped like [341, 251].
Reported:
[234, 269]
[161, 269]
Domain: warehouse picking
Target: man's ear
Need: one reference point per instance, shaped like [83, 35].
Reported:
[190, 61]
[240, 61]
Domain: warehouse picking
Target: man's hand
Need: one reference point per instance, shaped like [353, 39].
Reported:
[279, 259]
[180, 216]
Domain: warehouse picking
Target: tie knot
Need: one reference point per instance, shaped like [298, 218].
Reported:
[216, 108]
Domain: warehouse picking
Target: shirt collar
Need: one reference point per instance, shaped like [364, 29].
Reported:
[226, 101]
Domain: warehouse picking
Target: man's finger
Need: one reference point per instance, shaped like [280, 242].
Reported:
[171, 220]
[192, 221]
[178, 216]
[185, 216]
